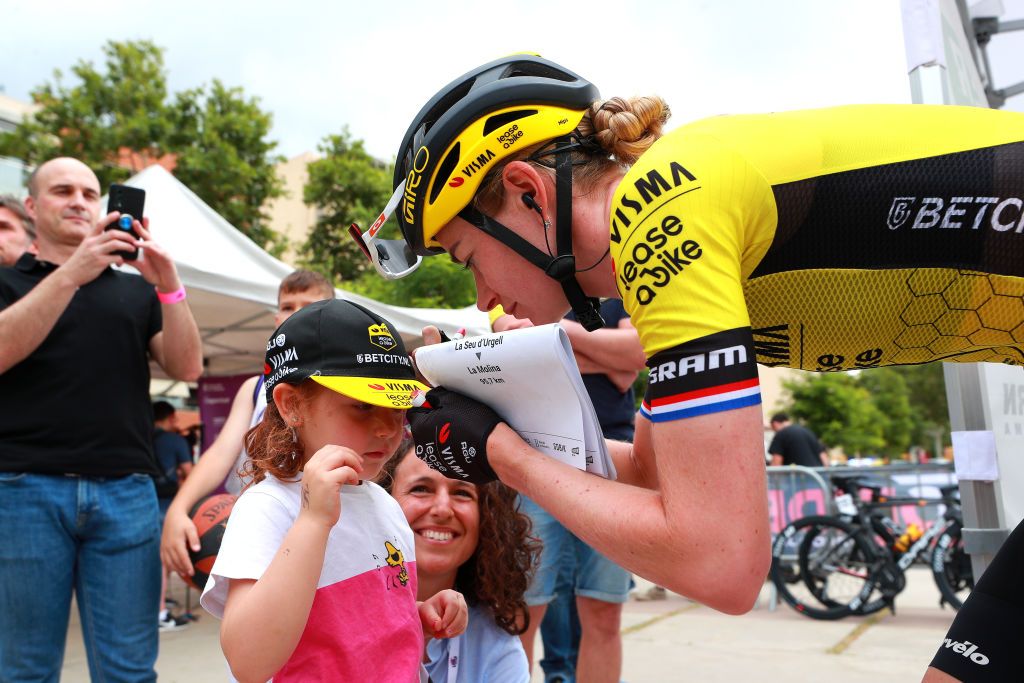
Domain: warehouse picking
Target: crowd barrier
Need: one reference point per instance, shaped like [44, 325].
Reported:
[795, 492]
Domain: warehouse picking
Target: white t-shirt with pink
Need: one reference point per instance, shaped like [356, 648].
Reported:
[364, 624]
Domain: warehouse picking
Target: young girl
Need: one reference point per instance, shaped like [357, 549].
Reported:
[316, 575]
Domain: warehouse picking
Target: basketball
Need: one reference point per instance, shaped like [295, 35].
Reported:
[210, 515]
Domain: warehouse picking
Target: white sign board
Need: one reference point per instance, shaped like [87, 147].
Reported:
[1003, 396]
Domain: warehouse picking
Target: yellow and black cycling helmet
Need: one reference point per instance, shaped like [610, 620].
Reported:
[489, 113]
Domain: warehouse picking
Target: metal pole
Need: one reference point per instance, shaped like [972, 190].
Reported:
[983, 534]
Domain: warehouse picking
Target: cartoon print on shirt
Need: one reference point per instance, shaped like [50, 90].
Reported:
[395, 558]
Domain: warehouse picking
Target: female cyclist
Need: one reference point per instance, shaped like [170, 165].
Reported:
[827, 240]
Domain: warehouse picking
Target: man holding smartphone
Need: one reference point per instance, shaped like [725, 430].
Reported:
[78, 510]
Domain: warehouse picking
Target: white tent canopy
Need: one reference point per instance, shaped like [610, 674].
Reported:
[232, 283]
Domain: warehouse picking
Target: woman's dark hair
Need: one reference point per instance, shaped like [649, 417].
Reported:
[498, 572]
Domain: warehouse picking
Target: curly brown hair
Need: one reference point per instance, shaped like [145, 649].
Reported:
[498, 572]
[274, 447]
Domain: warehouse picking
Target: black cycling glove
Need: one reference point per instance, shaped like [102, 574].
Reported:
[451, 432]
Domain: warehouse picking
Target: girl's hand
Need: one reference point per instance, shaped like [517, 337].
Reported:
[324, 474]
[444, 615]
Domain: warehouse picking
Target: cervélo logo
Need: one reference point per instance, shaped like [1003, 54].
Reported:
[967, 649]
[1001, 214]
[442, 436]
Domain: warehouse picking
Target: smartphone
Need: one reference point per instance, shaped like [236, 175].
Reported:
[130, 201]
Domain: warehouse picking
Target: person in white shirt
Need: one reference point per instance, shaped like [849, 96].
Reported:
[316, 574]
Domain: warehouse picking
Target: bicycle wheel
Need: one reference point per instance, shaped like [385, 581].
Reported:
[823, 567]
[951, 566]
[816, 581]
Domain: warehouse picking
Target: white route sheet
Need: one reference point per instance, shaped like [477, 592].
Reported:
[530, 378]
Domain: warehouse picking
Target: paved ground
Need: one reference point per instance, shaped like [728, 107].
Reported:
[675, 640]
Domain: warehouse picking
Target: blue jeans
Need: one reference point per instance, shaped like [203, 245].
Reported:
[560, 628]
[98, 537]
[568, 568]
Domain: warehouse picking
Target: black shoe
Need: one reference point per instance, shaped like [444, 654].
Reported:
[169, 622]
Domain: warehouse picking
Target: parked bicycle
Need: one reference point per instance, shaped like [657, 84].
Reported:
[832, 566]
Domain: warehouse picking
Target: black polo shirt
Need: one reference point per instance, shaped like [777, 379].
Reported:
[79, 404]
[797, 445]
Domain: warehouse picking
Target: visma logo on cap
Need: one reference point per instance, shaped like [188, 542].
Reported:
[381, 337]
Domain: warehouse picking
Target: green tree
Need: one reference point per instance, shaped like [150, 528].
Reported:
[838, 410]
[437, 283]
[218, 137]
[124, 106]
[224, 155]
[926, 387]
[347, 185]
[889, 394]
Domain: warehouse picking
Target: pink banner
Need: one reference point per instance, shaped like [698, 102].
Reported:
[216, 394]
[791, 496]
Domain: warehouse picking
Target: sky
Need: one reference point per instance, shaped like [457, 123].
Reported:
[318, 66]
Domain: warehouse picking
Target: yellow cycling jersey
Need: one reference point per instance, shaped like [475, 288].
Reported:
[831, 239]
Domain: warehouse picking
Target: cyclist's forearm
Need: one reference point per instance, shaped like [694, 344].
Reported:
[715, 555]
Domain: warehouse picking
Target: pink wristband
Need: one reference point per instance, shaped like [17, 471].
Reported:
[171, 297]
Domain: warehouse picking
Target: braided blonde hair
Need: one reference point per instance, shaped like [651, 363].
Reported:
[626, 128]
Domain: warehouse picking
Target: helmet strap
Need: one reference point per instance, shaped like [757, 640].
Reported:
[562, 266]
[587, 309]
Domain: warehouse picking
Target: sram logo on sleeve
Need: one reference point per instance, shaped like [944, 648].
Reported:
[702, 376]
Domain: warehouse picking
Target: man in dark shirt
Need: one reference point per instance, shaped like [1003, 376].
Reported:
[174, 462]
[78, 509]
[173, 456]
[794, 444]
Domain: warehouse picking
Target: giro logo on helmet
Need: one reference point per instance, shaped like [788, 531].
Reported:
[412, 183]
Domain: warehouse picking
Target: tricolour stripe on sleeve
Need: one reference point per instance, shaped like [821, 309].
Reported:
[707, 375]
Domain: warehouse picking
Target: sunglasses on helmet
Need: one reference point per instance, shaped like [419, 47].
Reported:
[392, 258]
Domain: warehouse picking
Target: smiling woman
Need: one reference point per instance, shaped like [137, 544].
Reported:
[474, 539]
